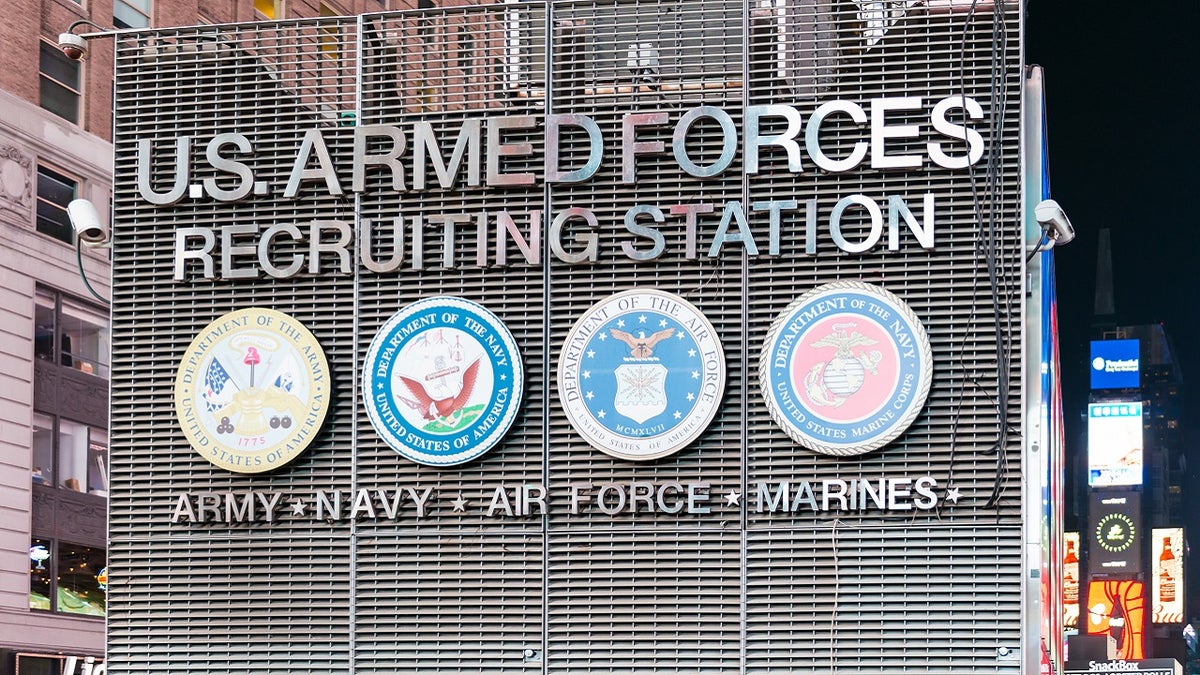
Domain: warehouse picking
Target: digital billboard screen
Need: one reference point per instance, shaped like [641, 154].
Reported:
[1115, 527]
[1166, 580]
[1070, 580]
[1115, 443]
[1115, 364]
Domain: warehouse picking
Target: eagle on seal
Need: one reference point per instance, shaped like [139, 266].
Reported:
[641, 346]
[443, 408]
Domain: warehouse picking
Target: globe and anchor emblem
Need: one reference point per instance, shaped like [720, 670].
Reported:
[846, 368]
[831, 383]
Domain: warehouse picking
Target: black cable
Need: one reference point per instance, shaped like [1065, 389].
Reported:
[82, 274]
[962, 85]
[989, 245]
[1038, 247]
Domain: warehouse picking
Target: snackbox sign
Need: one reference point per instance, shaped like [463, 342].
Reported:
[415, 158]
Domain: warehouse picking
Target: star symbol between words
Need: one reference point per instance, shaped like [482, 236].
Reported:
[298, 507]
[733, 498]
[953, 495]
[460, 505]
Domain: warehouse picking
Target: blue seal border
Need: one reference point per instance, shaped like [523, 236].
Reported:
[379, 398]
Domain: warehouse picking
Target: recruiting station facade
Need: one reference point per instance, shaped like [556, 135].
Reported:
[597, 337]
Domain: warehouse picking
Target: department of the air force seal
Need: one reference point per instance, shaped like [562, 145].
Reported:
[443, 381]
[846, 368]
[252, 390]
[641, 374]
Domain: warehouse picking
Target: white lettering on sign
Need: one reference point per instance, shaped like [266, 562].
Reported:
[476, 156]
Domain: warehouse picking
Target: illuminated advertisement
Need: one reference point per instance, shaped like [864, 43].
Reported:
[1115, 528]
[1115, 443]
[1166, 579]
[1118, 608]
[1070, 580]
[1115, 364]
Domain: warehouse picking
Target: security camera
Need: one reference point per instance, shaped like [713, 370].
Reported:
[1054, 221]
[85, 219]
[73, 46]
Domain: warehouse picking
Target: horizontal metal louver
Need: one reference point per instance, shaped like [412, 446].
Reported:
[731, 588]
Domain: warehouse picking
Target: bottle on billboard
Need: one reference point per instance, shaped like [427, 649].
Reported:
[1166, 572]
[1070, 575]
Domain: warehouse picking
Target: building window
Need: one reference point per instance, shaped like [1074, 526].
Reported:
[60, 83]
[131, 13]
[69, 455]
[55, 191]
[269, 9]
[330, 33]
[67, 578]
[71, 333]
[53, 664]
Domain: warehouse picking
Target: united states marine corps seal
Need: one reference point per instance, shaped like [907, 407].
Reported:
[443, 381]
[252, 390]
[846, 368]
[641, 374]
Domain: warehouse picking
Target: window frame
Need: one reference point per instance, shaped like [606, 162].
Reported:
[91, 475]
[277, 10]
[54, 173]
[328, 42]
[149, 13]
[45, 48]
[60, 354]
[94, 457]
[51, 567]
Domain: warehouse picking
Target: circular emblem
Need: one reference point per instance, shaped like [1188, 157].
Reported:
[1098, 363]
[444, 381]
[252, 390]
[1115, 532]
[846, 368]
[641, 374]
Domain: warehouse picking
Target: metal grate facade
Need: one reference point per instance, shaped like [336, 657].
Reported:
[733, 590]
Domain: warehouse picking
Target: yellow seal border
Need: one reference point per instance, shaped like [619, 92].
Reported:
[250, 455]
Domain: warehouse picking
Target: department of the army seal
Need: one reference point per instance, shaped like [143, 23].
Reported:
[252, 390]
[443, 381]
[846, 368]
[641, 374]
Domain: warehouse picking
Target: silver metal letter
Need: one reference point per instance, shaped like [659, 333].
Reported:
[631, 147]
[812, 136]
[595, 148]
[316, 247]
[496, 149]
[733, 211]
[590, 240]
[204, 255]
[264, 251]
[389, 159]
[835, 223]
[774, 207]
[213, 155]
[689, 211]
[880, 132]
[634, 227]
[786, 140]
[959, 133]
[425, 143]
[896, 209]
[313, 141]
[183, 151]
[728, 141]
[365, 232]
[228, 250]
[506, 229]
